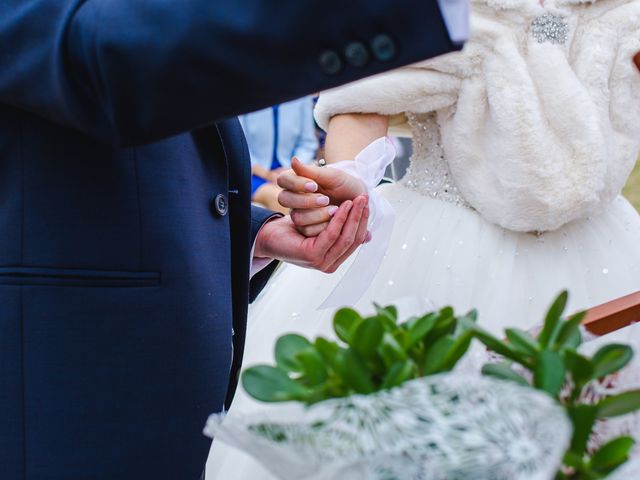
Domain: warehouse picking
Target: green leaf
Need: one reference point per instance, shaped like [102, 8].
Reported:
[549, 373]
[580, 367]
[399, 373]
[367, 336]
[391, 312]
[522, 341]
[327, 349]
[552, 319]
[612, 454]
[287, 348]
[472, 315]
[573, 342]
[436, 355]
[582, 417]
[611, 358]
[569, 335]
[504, 372]
[457, 350]
[420, 328]
[389, 325]
[403, 338]
[467, 323]
[344, 321]
[445, 324]
[446, 312]
[270, 384]
[313, 367]
[573, 460]
[499, 347]
[356, 373]
[391, 351]
[620, 404]
[409, 322]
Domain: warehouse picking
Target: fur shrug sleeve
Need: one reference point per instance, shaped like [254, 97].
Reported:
[536, 134]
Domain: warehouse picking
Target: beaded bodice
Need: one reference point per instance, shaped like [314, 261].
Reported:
[429, 173]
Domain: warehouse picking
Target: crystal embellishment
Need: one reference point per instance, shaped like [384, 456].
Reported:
[429, 173]
[550, 28]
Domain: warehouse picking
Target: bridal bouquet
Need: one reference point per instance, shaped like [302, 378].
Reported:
[440, 427]
[383, 403]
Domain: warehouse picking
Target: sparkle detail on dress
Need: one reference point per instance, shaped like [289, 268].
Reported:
[429, 172]
[550, 28]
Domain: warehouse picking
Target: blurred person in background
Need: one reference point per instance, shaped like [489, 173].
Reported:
[274, 136]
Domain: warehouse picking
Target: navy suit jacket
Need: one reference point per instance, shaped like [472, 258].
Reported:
[121, 277]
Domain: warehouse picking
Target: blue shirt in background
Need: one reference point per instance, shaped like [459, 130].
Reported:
[277, 134]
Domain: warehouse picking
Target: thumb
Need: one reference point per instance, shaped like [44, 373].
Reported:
[324, 177]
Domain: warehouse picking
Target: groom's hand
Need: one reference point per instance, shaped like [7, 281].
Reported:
[636, 59]
[346, 231]
[308, 190]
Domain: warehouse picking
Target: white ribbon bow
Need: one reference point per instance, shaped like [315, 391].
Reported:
[369, 166]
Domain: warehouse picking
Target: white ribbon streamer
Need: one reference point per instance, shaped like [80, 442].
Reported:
[369, 165]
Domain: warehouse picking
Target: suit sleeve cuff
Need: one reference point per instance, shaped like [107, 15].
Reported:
[260, 263]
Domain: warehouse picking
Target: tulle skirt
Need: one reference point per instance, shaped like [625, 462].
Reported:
[450, 255]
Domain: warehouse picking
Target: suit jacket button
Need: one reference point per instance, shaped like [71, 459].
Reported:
[330, 62]
[220, 205]
[356, 54]
[384, 48]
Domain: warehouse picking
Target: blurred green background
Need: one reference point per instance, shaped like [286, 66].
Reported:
[632, 189]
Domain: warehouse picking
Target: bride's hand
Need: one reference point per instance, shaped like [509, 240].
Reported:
[309, 190]
[303, 180]
[636, 59]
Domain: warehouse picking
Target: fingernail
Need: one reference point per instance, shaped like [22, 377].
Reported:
[322, 201]
[368, 238]
[311, 186]
[332, 210]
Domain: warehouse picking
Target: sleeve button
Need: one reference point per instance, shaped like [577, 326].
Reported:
[330, 62]
[383, 47]
[356, 54]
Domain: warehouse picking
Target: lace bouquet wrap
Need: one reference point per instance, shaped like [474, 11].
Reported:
[434, 428]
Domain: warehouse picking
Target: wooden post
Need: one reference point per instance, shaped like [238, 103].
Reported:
[613, 315]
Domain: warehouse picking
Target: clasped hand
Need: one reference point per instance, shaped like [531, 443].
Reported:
[313, 193]
[328, 221]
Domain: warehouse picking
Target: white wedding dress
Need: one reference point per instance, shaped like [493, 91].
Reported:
[521, 145]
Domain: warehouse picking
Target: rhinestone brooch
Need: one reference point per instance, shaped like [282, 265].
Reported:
[550, 28]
